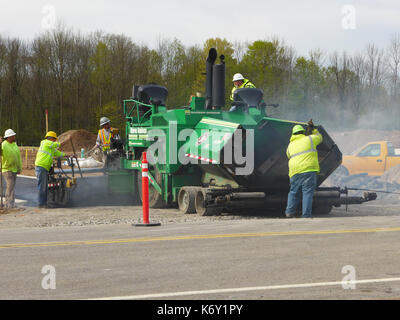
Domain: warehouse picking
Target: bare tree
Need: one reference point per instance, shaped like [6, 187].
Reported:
[62, 41]
[2, 75]
[317, 56]
[375, 68]
[394, 64]
[15, 75]
[357, 82]
[340, 67]
[239, 50]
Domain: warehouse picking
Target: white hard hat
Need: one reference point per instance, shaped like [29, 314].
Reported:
[9, 133]
[104, 120]
[237, 77]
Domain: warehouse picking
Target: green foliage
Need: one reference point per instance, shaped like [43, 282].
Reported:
[112, 111]
[100, 73]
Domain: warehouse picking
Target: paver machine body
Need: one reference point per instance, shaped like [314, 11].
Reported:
[205, 158]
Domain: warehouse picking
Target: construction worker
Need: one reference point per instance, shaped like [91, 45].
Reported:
[240, 82]
[11, 165]
[303, 169]
[44, 160]
[104, 136]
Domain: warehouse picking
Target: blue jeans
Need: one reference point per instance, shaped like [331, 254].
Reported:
[42, 178]
[302, 183]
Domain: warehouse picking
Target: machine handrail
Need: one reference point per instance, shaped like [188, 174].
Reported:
[136, 107]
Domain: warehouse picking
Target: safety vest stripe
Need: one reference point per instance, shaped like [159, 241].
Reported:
[304, 152]
[45, 152]
[300, 153]
[105, 139]
[105, 142]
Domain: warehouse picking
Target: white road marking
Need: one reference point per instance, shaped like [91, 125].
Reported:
[28, 177]
[233, 290]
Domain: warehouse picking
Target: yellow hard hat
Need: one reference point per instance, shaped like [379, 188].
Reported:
[51, 134]
[297, 128]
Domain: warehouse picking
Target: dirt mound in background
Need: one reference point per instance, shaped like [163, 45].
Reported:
[80, 138]
[349, 141]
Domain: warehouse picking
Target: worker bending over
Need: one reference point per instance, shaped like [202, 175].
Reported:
[303, 169]
[11, 165]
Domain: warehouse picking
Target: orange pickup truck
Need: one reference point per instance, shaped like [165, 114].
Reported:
[374, 158]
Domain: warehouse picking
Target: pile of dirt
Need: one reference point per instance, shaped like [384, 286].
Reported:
[349, 141]
[80, 139]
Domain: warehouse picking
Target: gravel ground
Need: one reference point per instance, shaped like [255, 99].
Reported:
[34, 217]
[102, 215]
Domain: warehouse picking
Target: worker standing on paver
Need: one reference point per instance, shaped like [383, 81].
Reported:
[303, 169]
[104, 136]
[11, 165]
[44, 160]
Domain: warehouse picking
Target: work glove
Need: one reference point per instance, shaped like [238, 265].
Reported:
[310, 127]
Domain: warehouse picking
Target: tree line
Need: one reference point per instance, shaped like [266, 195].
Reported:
[80, 77]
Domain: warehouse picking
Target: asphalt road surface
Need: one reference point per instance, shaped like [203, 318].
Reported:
[263, 259]
[340, 257]
[90, 191]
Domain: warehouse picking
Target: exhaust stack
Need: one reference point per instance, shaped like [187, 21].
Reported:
[212, 56]
[218, 84]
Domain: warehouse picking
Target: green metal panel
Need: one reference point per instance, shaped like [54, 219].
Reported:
[121, 181]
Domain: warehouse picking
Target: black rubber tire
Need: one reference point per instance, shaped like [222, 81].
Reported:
[186, 200]
[199, 205]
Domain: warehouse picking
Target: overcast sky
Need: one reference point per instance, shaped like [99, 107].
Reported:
[304, 24]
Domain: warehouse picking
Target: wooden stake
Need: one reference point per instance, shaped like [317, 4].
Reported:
[47, 120]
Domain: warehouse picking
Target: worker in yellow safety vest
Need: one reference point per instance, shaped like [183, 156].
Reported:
[11, 165]
[240, 82]
[303, 169]
[44, 159]
[104, 136]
